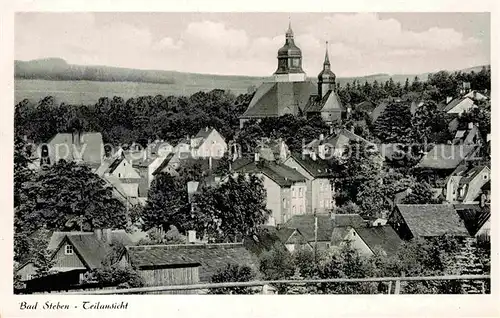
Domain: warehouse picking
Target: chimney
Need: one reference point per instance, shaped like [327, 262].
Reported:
[448, 99]
[191, 239]
[256, 156]
[106, 235]
[210, 163]
[98, 234]
[471, 125]
[313, 156]
[331, 130]
[321, 137]
[352, 129]
[206, 128]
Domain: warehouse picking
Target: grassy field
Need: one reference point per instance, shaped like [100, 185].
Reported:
[88, 92]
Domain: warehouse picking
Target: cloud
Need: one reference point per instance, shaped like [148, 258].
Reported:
[359, 44]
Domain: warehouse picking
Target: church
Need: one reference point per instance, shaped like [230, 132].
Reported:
[292, 93]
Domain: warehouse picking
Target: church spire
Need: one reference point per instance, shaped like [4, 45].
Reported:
[289, 32]
[326, 79]
[327, 60]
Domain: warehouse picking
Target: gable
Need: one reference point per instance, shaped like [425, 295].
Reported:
[123, 169]
[61, 260]
[292, 163]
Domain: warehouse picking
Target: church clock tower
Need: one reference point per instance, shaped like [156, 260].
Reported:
[289, 61]
[326, 79]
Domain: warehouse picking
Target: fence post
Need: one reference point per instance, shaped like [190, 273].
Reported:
[397, 289]
[389, 288]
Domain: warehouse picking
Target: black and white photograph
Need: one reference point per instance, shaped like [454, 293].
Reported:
[250, 153]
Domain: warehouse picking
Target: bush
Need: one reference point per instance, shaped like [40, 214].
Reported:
[114, 275]
[233, 273]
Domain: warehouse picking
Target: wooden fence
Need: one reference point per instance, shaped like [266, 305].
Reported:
[266, 286]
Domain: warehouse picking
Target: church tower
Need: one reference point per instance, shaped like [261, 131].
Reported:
[326, 79]
[289, 61]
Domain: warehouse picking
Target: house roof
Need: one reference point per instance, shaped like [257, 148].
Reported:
[204, 132]
[89, 247]
[472, 173]
[306, 224]
[94, 146]
[429, 220]
[452, 104]
[317, 168]
[283, 175]
[445, 156]
[377, 111]
[366, 105]
[338, 140]
[211, 257]
[473, 216]
[265, 239]
[383, 237]
[272, 97]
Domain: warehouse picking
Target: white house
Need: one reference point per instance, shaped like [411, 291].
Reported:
[459, 105]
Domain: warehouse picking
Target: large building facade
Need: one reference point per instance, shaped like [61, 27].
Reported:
[292, 93]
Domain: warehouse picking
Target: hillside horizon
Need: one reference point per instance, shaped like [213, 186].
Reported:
[57, 69]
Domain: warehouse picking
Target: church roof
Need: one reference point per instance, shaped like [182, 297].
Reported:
[271, 99]
[330, 101]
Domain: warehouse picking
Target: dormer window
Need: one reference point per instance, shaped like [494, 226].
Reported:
[68, 249]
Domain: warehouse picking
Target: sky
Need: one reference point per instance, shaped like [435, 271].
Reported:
[247, 43]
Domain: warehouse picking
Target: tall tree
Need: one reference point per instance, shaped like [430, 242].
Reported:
[394, 125]
[359, 164]
[167, 203]
[68, 196]
[231, 210]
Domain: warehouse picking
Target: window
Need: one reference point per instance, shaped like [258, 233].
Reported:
[293, 192]
[294, 210]
[295, 62]
[301, 209]
[284, 203]
[68, 249]
[119, 175]
[301, 192]
[29, 277]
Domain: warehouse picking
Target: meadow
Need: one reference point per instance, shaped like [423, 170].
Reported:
[88, 92]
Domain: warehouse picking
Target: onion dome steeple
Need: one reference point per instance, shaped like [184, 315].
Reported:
[326, 78]
[289, 60]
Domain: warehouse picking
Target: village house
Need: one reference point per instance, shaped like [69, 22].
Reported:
[468, 136]
[291, 93]
[208, 142]
[458, 105]
[369, 240]
[271, 237]
[74, 254]
[465, 184]
[334, 144]
[272, 149]
[161, 265]
[120, 168]
[325, 231]
[476, 96]
[319, 194]
[477, 219]
[440, 162]
[285, 187]
[80, 147]
[427, 221]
